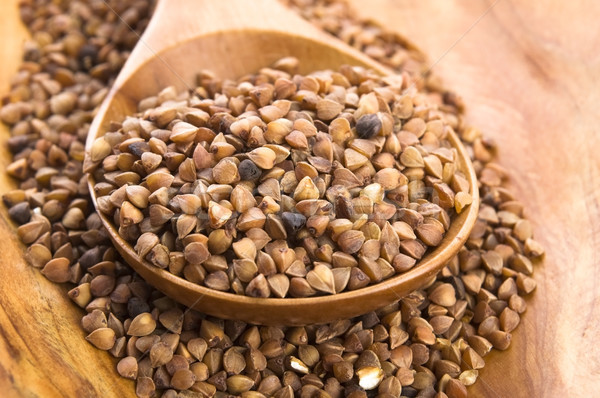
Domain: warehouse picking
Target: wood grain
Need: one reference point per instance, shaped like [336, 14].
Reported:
[43, 352]
[528, 72]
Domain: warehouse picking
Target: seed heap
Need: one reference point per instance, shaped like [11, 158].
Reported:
[280, 184]
[429, 344]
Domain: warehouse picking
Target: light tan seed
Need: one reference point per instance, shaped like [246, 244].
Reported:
[443, 295]
[142, 325]
[321, 278]
[433, 166]
[145, 387]
[146, 243]
[102, 338]
[242, 198]
[328, 109]
[233, 360]
[279, 285]
[462, 200]
[411, 157]
[219, 241]
[390, 178]
[226, 171]
[500, 339]
[353, 160]
[160, 354]
[258, 287]
[245, 249]
[218, 214]
[238, 384]
[197, 347]
[159, 179]
[245, 269]
[81, 294]
[263, 157]
[351, 241]
[430, 234]
[183, 132]
[100, 149]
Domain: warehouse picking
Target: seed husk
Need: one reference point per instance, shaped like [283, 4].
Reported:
[197, 347]
[211, 333]
[368, 126]
[183, 379]
[144, 387]
[160, 354]
[279, 285]
[142, 325]
[430, 234]
[462, 200]
[443, 295]
[262, 157]
[321, 278]
[102, 338]
[57, 270]
[128, 368]
[351, 241]
[258, 287]
[293, 222]
[455, 389]
[238, 384]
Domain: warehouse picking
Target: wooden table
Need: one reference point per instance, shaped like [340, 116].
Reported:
[529, 73]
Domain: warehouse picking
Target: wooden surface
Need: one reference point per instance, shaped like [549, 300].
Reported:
[529, 74]
[43, 351]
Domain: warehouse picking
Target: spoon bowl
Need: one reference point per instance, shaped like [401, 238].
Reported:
[233, 39]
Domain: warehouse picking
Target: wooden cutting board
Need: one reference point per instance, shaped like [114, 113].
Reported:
[529, 74]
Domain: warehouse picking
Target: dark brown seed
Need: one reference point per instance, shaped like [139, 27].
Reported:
[248, 170]
[20, 213]
[368, 126]
[293, 222]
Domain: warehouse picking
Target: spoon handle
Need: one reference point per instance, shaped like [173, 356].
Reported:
[179, 21]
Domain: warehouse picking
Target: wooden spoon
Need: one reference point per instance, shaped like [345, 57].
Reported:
[234, 38]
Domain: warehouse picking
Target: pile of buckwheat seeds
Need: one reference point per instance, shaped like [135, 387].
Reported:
[280, 184]
[432, 343]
